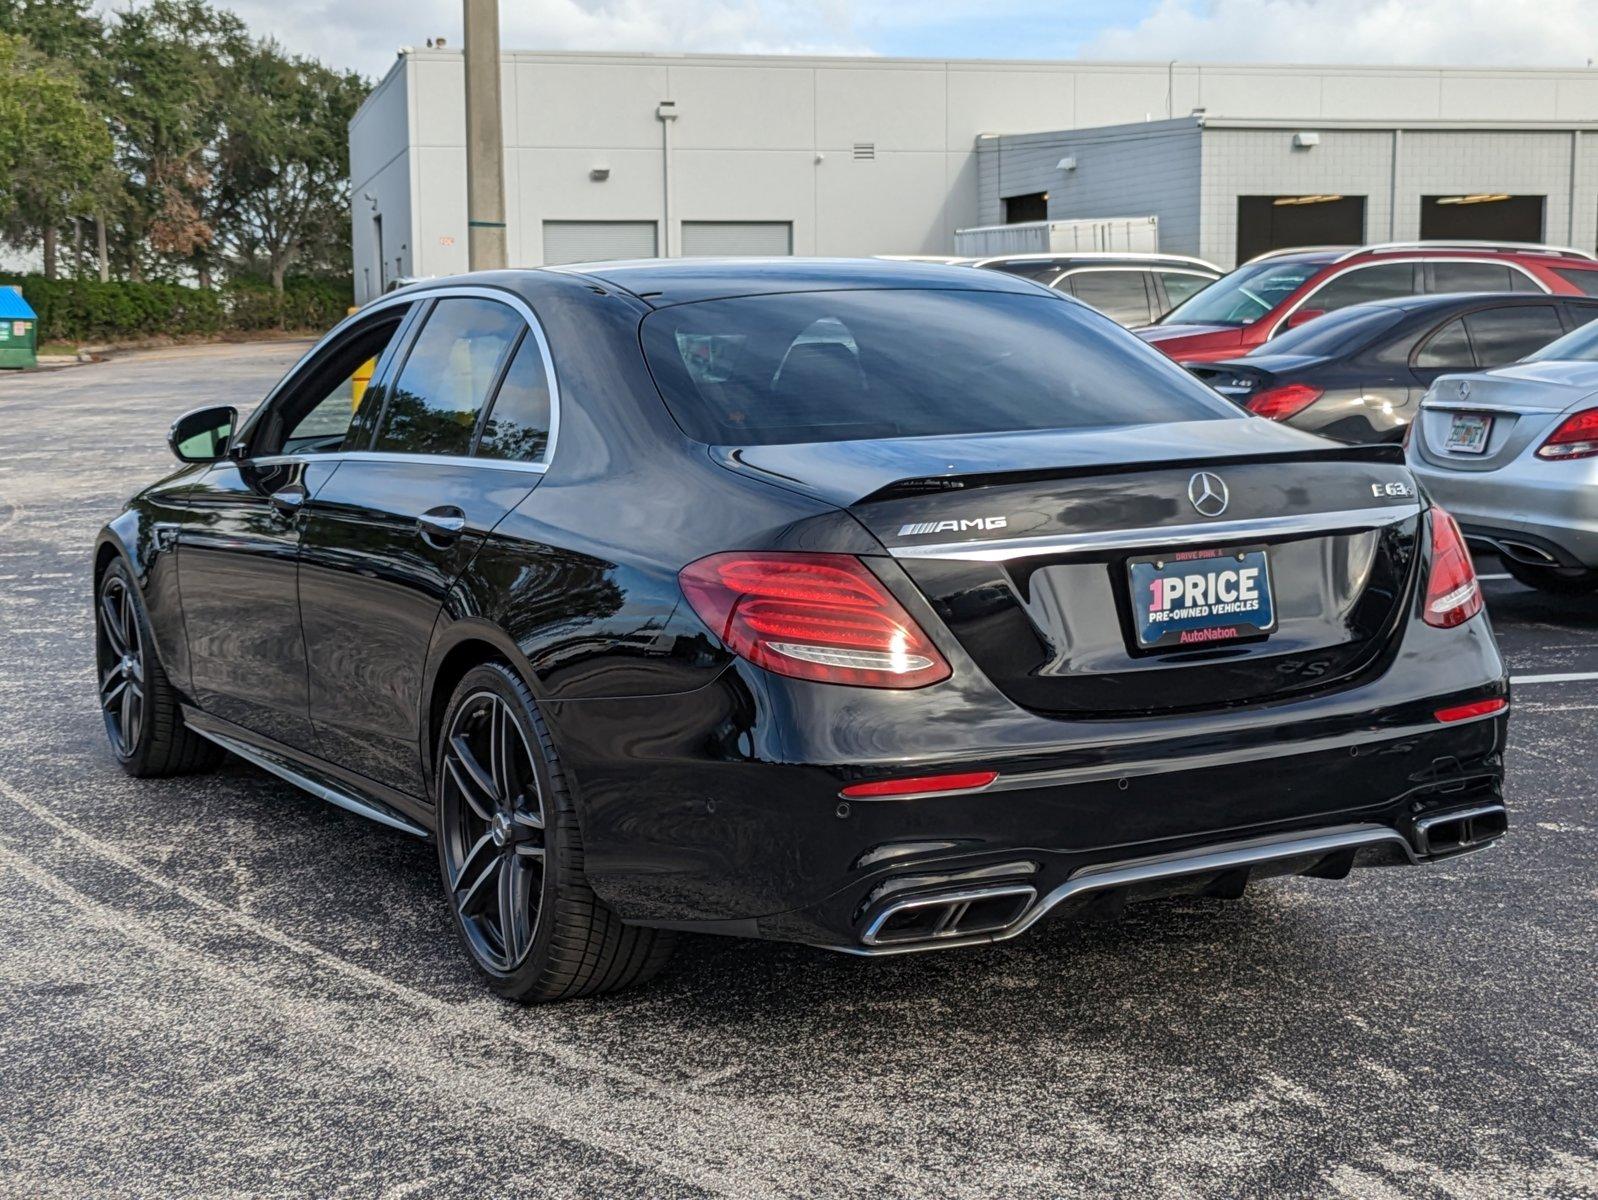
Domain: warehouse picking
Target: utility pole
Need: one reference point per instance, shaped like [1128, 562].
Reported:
[485, 141]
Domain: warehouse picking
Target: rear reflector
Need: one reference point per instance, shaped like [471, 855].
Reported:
[1576, 437]
[824, 617]
[1279, 403]
[1477, 708]
[968, 781]
[1452, 594]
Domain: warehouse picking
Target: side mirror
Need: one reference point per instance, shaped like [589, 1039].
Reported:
[1303, 315]
[203, 434]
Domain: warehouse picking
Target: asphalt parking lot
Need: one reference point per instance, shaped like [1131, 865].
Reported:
[220, 985]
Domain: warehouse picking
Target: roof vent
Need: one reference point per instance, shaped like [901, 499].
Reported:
[865, 150]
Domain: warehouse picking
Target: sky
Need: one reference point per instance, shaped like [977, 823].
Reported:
[364, 34]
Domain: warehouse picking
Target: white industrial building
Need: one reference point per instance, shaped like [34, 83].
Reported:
[621, 155]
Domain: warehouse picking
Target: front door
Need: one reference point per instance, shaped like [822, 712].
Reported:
[399, 522]
[238, 545]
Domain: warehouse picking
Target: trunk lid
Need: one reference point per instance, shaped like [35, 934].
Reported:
[1521, 404]
[1024, 545]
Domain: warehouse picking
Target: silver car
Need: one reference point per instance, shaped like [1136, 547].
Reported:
[1513, 454]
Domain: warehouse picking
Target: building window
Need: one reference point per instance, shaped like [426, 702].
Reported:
[1280, 222]
[1482, 216]
[1034, 206]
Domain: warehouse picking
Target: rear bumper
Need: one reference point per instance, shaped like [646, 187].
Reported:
[1526, 510]
[719, 810]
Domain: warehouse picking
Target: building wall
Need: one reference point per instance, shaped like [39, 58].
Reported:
[1125, 171]
[381, 181]
[773, 138]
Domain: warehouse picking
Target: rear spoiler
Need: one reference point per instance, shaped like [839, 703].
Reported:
[1383, 453]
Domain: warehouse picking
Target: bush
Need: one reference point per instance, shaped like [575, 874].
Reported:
[85, 310]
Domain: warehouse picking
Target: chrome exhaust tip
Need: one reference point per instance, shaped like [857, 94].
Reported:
[1466, 829]
[968, 912]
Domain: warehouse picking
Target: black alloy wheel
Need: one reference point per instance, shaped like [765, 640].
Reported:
[493, 843]
[510, 852]
[120, 653]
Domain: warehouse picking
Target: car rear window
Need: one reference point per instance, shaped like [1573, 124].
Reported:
[837, 366]
[1342, 332]
[1585, 280]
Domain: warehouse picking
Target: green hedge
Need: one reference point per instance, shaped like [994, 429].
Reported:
[81, 310]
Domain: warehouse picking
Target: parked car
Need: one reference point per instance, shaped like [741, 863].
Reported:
[879, 606]
[1132, 289]
[1358, 374]
[1284, 289]
[1515, 452]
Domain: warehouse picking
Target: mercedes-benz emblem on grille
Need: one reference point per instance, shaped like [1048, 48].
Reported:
[1208, 494]
[1464, 389]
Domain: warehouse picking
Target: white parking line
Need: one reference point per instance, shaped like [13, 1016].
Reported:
[1567, 677]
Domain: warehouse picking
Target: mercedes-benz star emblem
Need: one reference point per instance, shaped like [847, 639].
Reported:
[1464, 389]
[1208, 494]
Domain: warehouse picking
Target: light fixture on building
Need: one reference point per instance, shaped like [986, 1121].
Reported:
[599, 174]
[1282, 201]
[1306, 139]
[1065, 164]
[1477, 198]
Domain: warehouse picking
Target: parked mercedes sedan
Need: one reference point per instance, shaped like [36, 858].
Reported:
[1358, 374]
[1515, 452]
[878, 606]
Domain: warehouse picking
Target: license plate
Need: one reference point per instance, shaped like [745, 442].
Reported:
[1468, 433]
[1199, 597]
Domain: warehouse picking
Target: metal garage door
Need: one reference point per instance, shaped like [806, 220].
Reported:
[724, 239]
[597, 241]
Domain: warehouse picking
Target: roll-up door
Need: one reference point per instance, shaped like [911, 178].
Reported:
[736, 239]
[597, 241]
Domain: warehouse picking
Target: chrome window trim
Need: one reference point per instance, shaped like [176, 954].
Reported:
[1416, 258]
[534, 326]
[1008, 549]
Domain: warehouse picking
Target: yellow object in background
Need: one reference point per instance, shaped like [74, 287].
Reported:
[361, 380]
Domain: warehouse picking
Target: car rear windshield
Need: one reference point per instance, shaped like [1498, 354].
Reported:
[1244, 296]
[838, 366]
[1343, 332]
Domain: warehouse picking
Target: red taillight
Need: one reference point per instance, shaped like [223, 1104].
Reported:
[1452, 594]
[1476, 708]
[812, 616]
[1576, 437]
[921, 785]
[1279, 403]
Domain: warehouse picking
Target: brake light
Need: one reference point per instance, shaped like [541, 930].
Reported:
[824, 617]
[921, 785]
[1453, 596]
[1576, 437]
[1286, 400]
[1476, 708]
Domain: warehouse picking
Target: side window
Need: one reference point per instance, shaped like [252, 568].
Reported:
[1585, 281]
[433, 406]
[322, 410]
[1448, 349]
[1179, 286]
[1364, 284]
[518, 423]
[1502, 335]
[1119, 295]
[1472, 277]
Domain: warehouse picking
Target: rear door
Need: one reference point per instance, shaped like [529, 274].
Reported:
[403, 515]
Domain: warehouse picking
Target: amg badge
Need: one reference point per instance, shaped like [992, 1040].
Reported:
[916, 528]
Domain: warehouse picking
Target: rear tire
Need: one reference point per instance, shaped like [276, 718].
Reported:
[1556, 581]
[142, 710]
[511, 854]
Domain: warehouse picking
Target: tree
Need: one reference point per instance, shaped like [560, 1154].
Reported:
[52, 145]
[283, 163]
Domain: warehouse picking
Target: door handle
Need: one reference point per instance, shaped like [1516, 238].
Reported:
[289, 500]
[441, 526]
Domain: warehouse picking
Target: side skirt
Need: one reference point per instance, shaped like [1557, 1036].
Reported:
[369, 800]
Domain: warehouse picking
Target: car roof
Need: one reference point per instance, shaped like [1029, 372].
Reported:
[1112, 258]
[663, 281]
[1448, 300]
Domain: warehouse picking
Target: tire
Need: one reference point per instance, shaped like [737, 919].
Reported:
[142, 710]
[1556, 581]
[508, 838]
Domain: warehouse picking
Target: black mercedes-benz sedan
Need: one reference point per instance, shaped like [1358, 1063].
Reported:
[1358, 374]
[879, 606]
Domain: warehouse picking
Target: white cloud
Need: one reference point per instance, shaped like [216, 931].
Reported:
[1453, 32]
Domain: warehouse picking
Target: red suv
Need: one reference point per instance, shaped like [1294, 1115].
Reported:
[1286, 288]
